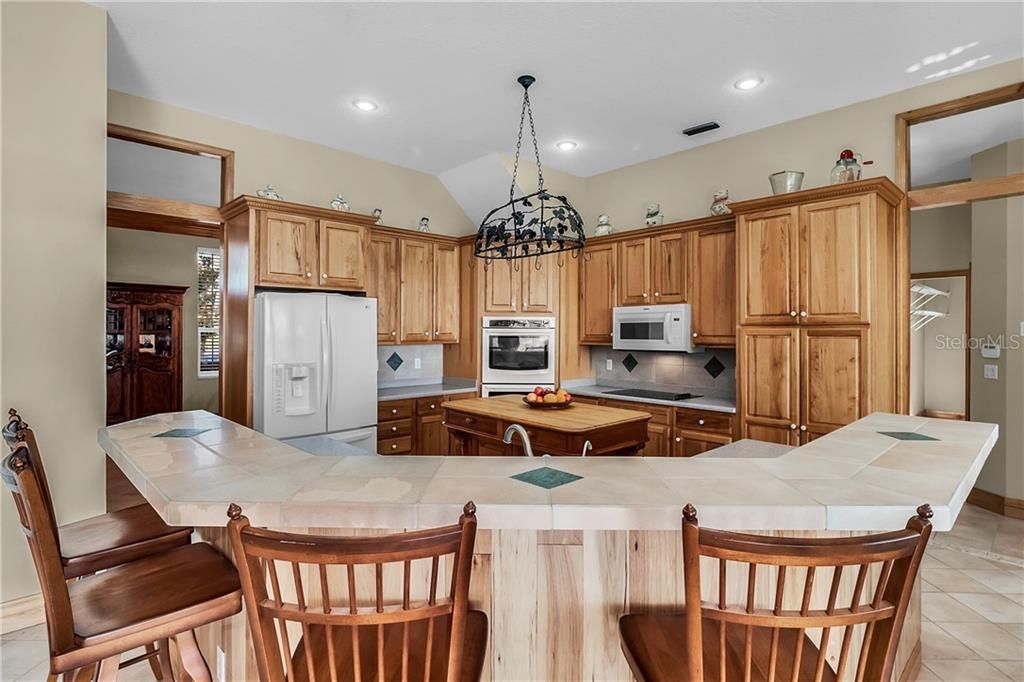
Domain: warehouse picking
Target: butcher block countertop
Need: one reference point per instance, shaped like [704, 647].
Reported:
[577, 418]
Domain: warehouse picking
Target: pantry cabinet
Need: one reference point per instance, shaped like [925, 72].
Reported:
[383, 285]
[597, 293]
[769, 399]
[714, 287]
[527, 286]
[768, 271]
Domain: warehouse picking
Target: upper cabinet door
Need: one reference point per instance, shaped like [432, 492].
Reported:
[834, 267]
[539, 286]
[342, 256]
[416, 263]
[635, 272]
[834, 370]
[668, 268]
[287, 249]
[768, 246]
[383, 284]
[446, 293]
[769, 366]
[714, 287]
[597, 293]
[501, 286]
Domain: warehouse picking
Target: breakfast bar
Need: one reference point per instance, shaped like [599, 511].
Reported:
[565, 545]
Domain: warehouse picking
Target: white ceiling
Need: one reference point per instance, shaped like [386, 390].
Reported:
[622, 79]
[941, 151]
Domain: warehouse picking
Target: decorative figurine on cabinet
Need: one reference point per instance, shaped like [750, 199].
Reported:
[604, 225]
[268, 193]
[377, 213]
[338, 203]
[424, 224]
[720, 205]
[654, 216]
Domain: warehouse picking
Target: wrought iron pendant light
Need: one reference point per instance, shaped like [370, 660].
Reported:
[534, 224]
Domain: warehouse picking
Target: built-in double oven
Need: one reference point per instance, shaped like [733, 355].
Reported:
[518, 354]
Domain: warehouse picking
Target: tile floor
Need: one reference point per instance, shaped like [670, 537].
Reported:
[972, 599]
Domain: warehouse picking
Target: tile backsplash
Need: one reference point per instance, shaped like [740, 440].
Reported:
[713, 371]
[396, 365]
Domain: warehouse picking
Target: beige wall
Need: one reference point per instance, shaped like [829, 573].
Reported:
[684, 182]
[940, 239]
[945, 380]
[156, 258]
[52, 276]
[997, 310]
[302, 171]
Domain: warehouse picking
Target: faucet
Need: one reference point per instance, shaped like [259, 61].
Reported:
[587, 446]
[516, 428]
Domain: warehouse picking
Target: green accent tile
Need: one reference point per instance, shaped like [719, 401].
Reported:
[546, 477]
[906, 435]
[181, 433]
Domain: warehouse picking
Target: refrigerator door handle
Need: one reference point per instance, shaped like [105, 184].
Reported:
[326, 380]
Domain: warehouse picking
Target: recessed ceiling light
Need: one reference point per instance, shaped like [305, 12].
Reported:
[566, 145]
[364, 105]
[748, 83]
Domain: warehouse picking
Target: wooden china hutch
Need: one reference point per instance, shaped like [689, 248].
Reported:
[143, 350]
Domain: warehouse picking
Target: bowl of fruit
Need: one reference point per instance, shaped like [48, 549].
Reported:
[547, 399]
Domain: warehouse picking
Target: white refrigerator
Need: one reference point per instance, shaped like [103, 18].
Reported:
[315, 367]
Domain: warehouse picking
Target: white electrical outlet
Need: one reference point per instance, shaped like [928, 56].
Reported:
[608, 364]
[417, 364]
[991, 371]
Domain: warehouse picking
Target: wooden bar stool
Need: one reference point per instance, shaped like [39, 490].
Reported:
[104, 541]
[368, 608]
[98, 618]
[763, 636]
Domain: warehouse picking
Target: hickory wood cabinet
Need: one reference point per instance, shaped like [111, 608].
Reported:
[597, 292]
[820, 313]
[677, 432]
[528, 286]
[713, 295]
[653, 270]
[415, 426]
[296, 250]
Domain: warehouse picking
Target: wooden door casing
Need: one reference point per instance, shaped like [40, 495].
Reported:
[383, 284]
[714, 287]
[768, 247]
[634, 272]
[538, 290]
[445, 292]
[501, 287]
[597, 293]
[834, 261]
[689, 443]
[669, 268]
[769, 362]
[342, 254]
[287, 249]
[416, 269]
[834, 378]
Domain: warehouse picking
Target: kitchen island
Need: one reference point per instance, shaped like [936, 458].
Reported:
[558, 558]
[479, 425]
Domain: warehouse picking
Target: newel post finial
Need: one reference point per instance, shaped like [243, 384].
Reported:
[925, 511]
[690, 513]
[234, 512]
[469, 509]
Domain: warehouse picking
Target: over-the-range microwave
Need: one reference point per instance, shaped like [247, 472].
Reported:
[652, 327]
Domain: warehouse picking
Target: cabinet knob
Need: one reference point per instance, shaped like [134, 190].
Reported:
[657, 293]
[394, 446]
[394, 428]
[394, 410]
[437, 331]
[309, 274]
[803, 427]
[792, 313]
[432, 405]
[792, 427]
[803, 313]
[645, 294]
[695, 335]
[393, 334]
[701, 422]
[426, 333]
[443, 422]
[678, 439]
[324, 275]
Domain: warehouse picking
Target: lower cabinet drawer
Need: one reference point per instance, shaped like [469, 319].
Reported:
[395, 446]
[394, 429]
[704, 420]
[659, 414]
[428, 406]
[394, 409]
[482, 425]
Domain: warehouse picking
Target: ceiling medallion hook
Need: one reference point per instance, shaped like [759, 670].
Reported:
[534, 224]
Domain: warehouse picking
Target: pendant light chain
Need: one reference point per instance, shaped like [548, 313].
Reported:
[527, 110]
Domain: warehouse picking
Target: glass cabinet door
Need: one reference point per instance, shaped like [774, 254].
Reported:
[155, 386]
[117, 361]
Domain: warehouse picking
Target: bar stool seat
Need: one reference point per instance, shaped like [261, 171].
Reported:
[135, 598]
[655, 647]
[475, 644]
[115, 538]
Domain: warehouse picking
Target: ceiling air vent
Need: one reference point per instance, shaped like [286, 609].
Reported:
[702, 128]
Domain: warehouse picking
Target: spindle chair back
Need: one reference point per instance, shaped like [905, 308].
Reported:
[886, 566]
[341, 623]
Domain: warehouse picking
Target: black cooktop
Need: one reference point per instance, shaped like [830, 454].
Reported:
[653, 395]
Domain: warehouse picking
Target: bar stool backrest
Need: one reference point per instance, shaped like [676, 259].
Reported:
[15, 431]
[356, 585]
[35, 513]
[886, 564]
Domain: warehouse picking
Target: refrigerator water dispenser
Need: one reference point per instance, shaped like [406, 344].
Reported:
[294, 389]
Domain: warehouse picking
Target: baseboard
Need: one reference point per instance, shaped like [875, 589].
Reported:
[20, 613]
[1006, 506]
[943, 414]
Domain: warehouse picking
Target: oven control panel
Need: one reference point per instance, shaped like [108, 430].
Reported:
[519, 323]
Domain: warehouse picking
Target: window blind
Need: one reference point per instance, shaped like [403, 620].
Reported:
[208, 266]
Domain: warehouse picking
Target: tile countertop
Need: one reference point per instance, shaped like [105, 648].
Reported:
[869, 475]
[702, 403]
[446, 387]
